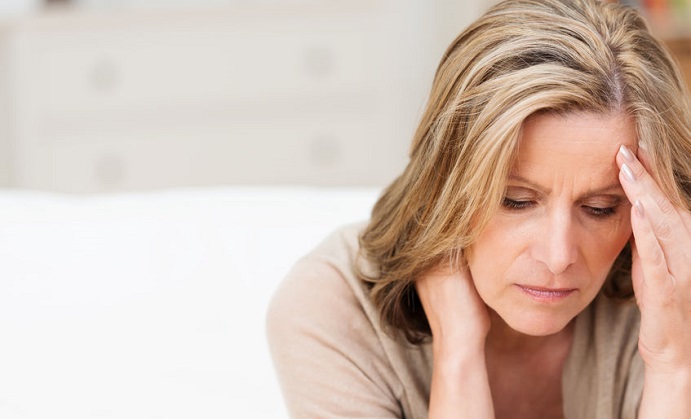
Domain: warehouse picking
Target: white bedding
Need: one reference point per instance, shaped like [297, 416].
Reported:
[150, 305]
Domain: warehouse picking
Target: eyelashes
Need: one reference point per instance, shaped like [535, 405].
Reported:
[591, 211]
[517, 204]
[598, 212]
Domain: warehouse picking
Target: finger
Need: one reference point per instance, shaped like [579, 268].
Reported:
[641, 183]
[686, 219]
[652, 262]
[646, 161]
[644, 157]
[636, 276]
[663, 218]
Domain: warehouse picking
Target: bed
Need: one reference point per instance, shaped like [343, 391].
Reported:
[151, 305]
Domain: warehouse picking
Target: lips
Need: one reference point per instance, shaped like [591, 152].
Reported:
[547, 294]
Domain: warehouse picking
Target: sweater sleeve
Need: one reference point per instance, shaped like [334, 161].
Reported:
[328, 357]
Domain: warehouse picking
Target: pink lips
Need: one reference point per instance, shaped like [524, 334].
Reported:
[547, 294]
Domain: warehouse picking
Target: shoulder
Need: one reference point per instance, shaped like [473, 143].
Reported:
[325, 338]
[322, 290]
[323, 281]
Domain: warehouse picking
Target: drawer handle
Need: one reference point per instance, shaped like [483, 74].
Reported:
[110, 171]
[104, 76]
[319, 61]
[325, 151]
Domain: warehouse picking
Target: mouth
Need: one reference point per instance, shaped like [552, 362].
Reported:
[547, 294]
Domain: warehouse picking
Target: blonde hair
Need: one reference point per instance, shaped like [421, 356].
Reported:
[521, 58]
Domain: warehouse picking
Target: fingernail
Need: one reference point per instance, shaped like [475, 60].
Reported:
[639, 208]
[628, 173]
[626, 153]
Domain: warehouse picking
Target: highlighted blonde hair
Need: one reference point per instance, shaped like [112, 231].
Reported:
[521, 58]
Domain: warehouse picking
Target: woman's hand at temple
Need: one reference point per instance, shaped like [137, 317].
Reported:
[661, 275]
[459, 322]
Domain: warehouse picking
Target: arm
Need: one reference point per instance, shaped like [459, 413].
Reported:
[459, 322]
[661, 275]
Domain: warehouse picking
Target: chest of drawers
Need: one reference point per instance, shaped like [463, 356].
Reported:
[325, 94]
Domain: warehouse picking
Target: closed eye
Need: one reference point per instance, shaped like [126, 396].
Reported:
[513, 204]
[598, 212]
[592, 211]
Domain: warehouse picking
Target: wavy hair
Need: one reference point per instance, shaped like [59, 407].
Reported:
[520, 58]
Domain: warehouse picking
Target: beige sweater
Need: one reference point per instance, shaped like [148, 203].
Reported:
[334, 361]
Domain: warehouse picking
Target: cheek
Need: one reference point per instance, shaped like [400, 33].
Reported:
[492, 256]
[606, 247]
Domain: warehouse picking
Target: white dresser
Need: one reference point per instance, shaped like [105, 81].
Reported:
[318, 93]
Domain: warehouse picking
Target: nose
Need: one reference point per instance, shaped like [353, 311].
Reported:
[556, 247]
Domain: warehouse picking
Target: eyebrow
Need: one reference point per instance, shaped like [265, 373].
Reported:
[606, 190]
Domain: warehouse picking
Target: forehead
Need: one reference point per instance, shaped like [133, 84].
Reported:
[580, 135]
[577, 149]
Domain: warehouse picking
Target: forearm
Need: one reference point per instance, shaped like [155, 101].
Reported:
[460, 386]
[666, 396]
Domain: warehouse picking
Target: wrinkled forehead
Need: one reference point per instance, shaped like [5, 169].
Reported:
[576, 147]
[587, 135]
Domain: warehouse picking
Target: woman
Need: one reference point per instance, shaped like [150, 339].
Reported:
[549, 180]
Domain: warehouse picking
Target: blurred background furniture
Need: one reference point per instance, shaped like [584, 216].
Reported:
[107, 96]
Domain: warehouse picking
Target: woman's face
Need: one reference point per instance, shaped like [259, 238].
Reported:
[564, 219]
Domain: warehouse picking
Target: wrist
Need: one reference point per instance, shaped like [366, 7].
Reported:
[677, 378]
[460, 383]
[458, 358]
[456, 343]
[666, 394]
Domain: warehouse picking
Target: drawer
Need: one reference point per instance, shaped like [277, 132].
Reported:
[163, 63]
[343, 151]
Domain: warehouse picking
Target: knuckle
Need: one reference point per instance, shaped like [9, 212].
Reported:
[638, 170]
[665, 205]
[657, 258]
[664, 231]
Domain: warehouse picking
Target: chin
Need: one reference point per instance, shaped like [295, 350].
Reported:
[537, 324]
